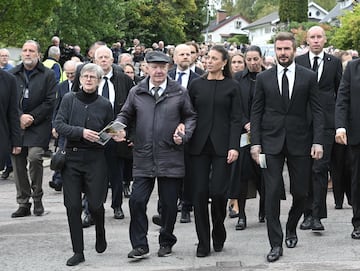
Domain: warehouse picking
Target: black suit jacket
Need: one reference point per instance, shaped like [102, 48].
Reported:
[9, 116]
[273, 125]
[347, 109]
[218, 106]
[193, 75]
[328, 84]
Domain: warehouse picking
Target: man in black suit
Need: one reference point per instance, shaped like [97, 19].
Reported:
[184, 75]
[115, 86]
[281, 129]
[9, 118]
[347, 127]
[329, 72]
[194, 58]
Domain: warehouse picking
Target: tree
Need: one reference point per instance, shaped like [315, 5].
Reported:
[346, 36]
[293, 10]
[24, 19]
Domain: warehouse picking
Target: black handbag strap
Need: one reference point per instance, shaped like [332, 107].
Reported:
[71, 113]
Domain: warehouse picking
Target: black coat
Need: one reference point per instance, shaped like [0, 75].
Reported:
[42, 89]
[9, 116]
[347, 109]
[155, 153]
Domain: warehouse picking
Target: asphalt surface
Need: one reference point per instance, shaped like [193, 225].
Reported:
[43, 243]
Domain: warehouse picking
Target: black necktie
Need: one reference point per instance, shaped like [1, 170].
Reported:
[180, 77]
[105, 90]
[315, 66]
[156, 93]
[285, 88]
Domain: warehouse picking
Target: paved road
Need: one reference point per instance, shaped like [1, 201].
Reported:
[43, 243]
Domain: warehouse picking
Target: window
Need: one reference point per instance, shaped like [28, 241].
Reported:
[237, 24]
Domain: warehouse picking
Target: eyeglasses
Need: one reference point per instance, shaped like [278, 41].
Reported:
[91, 77]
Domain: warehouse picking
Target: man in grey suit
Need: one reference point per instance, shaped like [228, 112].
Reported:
[281, 129]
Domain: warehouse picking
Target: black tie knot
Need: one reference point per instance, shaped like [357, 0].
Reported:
[315, 66]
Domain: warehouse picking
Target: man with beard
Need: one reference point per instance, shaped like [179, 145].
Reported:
[281, 129]
[36, 88]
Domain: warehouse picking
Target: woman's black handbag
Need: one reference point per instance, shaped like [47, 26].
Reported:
[58, 160]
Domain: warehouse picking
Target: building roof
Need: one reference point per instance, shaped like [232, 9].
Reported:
[336, 12]
[213, 26]
[272, 18]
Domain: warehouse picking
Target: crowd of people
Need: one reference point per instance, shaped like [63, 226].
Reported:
[213, 125]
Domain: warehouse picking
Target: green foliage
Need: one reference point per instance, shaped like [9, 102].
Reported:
[293, 10]
[326, 4]
[347, 35]
[239, 39]
[83, 22]
[24, 19]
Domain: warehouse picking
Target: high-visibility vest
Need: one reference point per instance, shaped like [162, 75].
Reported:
[49, 63]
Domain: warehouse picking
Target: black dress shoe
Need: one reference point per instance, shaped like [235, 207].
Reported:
[185, 217]
[38, 208]
[261, 218]
[317, 225]
[6, 173]
[356, 233]
[118, 213]
[87, 221]
[306, 224]
[274, 254]
[75, 259]
[21, 212]
[241, 224]
[338, 206]
[218, 247]
[232, 212]
[201, 253]
[291, 239]
[100, 245]
[55, 186]
[126, 189]
[164, 251]
[156, 219]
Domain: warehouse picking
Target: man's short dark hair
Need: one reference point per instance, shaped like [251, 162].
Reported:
[286, 36]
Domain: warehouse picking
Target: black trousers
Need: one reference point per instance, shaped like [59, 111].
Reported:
[211, 175]
[318, 182]
[141, 190]
[355, 184]
[299, 171]
[115, 166]
[341, 173]
[84, 171]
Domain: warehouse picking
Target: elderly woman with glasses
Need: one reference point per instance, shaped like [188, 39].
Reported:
[80, 118]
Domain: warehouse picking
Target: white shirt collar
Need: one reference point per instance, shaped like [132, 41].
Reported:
[162, 86]
[291, 68]
[312, 55]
